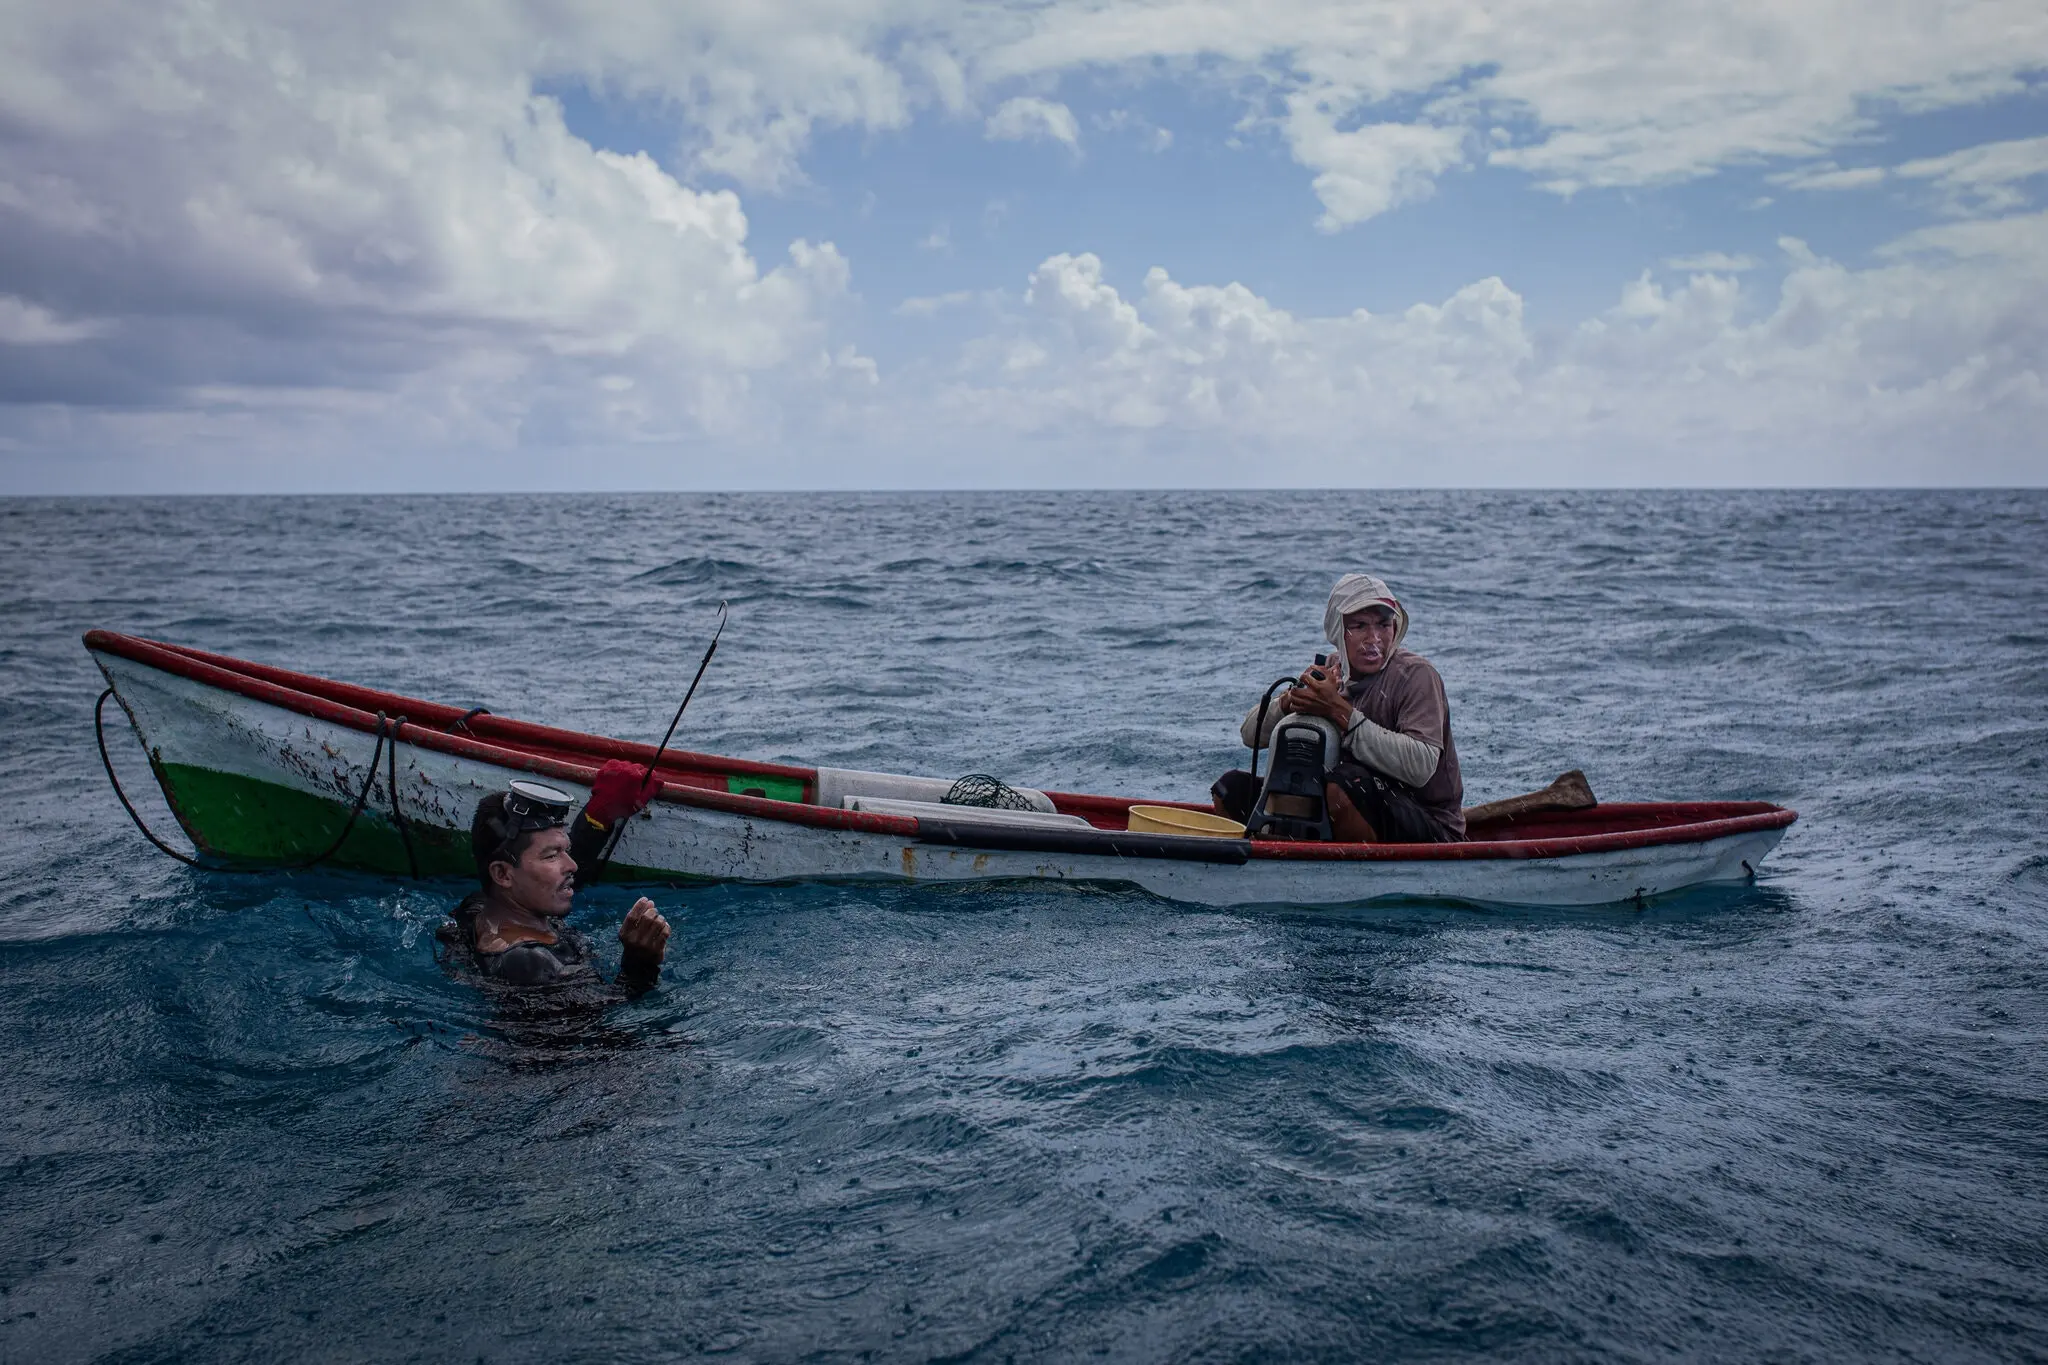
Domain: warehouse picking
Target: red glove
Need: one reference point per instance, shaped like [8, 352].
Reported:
[618, 792]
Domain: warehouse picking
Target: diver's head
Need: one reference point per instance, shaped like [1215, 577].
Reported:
[522, 848]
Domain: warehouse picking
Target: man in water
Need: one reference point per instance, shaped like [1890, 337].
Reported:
[529, 863]
[1398, 780]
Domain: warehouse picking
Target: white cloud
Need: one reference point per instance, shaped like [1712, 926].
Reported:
[1711, 262]
[1925, 369]
[2018, 239]
[1148, 134]
[1984, 179]
[1366, 171]
[1828, 176]
[1606, 93]
[225, 218]
[1027, 118]
[294, 209]
[930, 305]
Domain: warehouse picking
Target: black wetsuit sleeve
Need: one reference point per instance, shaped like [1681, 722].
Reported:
[638, 974]
[524, 964]
[586, 846]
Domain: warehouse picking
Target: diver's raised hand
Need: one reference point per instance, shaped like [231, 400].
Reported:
[645, 932]
[620, 789]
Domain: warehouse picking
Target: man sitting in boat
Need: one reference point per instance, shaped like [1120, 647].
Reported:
[529, 859]
[1398, 779]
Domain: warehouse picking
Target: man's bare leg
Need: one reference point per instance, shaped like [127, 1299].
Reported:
[1347, 824]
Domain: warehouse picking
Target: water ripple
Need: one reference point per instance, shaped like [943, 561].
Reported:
[251, 1118]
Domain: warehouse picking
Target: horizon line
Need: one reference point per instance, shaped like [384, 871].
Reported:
[6, 496]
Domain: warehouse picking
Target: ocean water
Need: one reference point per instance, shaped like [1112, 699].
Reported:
[248, 1118]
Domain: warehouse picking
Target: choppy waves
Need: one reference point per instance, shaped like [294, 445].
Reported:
[251, 1118]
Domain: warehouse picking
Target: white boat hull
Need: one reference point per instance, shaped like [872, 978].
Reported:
[190, 727]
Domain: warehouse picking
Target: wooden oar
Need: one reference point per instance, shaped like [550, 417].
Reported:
[1570, 791]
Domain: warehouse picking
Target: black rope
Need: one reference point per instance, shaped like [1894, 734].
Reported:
[99, 729]
[467, 716]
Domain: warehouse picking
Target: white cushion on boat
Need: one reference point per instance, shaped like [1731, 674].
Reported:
[966, 815]
[836, 784]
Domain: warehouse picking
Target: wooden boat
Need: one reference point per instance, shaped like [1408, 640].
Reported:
[264, 766]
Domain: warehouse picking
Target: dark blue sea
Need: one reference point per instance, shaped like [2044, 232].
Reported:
[249, 1118]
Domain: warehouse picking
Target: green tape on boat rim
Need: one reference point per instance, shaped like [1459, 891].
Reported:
[774, 788]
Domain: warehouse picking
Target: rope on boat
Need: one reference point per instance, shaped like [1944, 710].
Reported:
[386, 729]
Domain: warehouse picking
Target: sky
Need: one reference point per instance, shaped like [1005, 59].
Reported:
[807, 244]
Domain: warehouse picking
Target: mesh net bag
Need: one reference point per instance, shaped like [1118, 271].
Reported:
[979, 789]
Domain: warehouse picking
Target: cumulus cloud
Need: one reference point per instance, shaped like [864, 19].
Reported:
[1871, 373]
[260, 207]
[1027, 118]
[1366, 171]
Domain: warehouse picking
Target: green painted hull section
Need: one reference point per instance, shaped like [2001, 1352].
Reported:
[245, 820]
[774, 788]
[252, 821]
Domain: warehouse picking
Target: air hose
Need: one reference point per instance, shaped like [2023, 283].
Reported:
[1259, 729]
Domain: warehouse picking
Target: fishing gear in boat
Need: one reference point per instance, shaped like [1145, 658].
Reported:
[604, 859]
[987, 793]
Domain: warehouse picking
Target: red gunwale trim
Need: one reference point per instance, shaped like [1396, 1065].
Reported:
[526, 747]
[1761, 816]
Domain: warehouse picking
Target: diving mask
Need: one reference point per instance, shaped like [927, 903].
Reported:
[531, 806]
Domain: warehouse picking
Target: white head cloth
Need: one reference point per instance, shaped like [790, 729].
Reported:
[1356, 592]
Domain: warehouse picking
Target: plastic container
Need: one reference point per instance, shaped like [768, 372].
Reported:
[1174, 820]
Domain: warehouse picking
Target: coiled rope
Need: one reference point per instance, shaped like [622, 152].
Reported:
[387, 730]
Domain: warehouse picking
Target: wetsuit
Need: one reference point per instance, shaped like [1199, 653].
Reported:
[570, 959]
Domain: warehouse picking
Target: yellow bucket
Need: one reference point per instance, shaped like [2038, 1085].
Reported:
[1174, 820]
